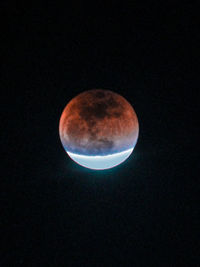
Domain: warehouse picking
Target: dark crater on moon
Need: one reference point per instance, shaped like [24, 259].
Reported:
[104, 106]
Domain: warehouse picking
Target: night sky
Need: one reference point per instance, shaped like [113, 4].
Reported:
[143, 212]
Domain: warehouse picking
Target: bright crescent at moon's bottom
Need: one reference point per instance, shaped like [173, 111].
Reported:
[100, 162]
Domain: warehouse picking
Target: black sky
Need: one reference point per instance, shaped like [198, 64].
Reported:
[141, 213]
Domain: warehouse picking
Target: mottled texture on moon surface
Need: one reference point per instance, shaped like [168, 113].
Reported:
[98, 122]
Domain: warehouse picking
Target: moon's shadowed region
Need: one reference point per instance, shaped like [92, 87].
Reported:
[98, 123]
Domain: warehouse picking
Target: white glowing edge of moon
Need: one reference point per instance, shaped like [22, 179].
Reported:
[101, 162]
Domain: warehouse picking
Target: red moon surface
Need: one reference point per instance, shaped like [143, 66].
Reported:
[98, 122]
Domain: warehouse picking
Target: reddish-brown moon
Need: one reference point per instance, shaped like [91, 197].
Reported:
[98, 122]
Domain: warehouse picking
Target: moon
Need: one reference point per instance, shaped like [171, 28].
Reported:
[98, 129]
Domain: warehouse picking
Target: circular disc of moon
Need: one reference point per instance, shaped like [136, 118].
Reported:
[98, 129]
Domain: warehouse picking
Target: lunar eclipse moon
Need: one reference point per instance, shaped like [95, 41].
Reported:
[98, 129]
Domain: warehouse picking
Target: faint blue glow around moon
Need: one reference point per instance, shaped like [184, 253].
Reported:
[101, 162]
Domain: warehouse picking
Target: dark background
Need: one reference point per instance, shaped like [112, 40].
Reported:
[141, 213]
